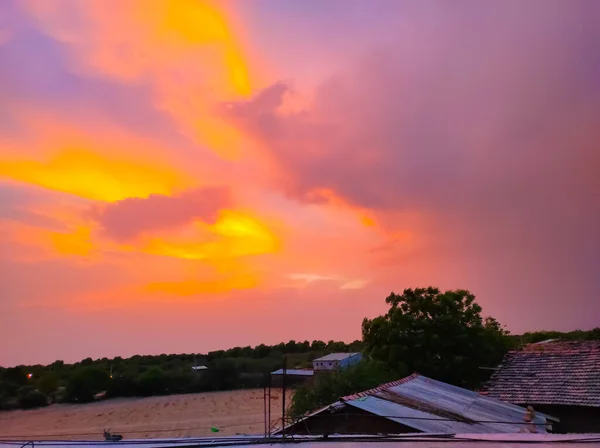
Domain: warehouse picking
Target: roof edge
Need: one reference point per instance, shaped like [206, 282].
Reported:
[381, 387]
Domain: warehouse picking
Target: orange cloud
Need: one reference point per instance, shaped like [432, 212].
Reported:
[234, 235]
[94, 176]
[187, 51]
[76, 243]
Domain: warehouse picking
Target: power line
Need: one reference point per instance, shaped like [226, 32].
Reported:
[139, 431]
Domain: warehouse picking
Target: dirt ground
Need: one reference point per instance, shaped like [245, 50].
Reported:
[193, 415]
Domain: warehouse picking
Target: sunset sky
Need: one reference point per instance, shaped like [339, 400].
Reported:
[186, 175]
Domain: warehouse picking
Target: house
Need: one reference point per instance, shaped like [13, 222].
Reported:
[336, 361]
[199, 368]
[561, 378]
[418, 404]
[293, 377]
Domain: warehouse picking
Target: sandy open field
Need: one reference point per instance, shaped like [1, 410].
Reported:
[233, 412]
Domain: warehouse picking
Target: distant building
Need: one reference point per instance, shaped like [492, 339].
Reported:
[199, 368]
[336, 361]
[561, 378]
[419, 404]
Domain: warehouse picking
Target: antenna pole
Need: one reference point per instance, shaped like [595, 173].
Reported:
[283, 398]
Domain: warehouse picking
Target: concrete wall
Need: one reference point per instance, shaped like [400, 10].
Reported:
[348, 421]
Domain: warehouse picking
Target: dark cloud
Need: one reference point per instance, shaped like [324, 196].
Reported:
[126, 219]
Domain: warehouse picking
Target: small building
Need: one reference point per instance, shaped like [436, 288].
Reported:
[199, 368]
[561, 378]
[336, 361]
[293, 377]
[419, 404]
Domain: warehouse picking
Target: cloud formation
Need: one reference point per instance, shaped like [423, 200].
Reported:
[188, 158]
[124, 220]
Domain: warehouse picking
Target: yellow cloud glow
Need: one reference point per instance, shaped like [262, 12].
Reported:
[93, 176]
[234, 235]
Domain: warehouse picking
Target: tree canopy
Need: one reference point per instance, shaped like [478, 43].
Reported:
[438, 334]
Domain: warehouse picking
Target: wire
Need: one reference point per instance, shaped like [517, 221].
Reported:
[140, 431]
[258, 440]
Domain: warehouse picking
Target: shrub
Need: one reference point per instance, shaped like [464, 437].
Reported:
[122, 386]
[85, 383]
[48, 383]
[29, 397]
[153, 381]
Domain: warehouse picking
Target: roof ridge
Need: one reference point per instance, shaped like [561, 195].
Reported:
[381, 387]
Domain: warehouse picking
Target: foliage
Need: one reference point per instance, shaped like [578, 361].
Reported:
[48, 383]
[440, 335]
[238, 367]
[517, 341]
[329, 388]
[85, 383]
[29, 397]
[152, 382]
[122, 386]
[12, 378]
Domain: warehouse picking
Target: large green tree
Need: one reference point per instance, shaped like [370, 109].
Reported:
[438, 334]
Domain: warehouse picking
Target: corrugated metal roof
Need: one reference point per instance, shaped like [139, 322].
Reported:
[434, 407]
[553, 373]
[336, 356]
[299, 372]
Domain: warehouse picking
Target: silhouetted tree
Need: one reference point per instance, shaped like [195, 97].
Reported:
[441, 335]
[85, 383]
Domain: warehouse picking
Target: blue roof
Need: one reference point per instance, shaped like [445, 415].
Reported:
[298, 372]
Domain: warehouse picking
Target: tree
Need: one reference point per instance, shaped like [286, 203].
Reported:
[318, 345]
[28, 397]
[85, 383]
[153, 381]
[262, 351]
[440, 335]
[122, 386]
[14, 375]
[48, 383]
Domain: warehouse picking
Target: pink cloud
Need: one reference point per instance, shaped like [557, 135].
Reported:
[128, 218]
[483, 122]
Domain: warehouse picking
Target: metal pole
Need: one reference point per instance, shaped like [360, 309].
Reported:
[283, 398]
[269, 398]
[265, 405]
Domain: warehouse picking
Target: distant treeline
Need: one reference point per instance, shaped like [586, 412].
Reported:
[516, 341]
[239, 367]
